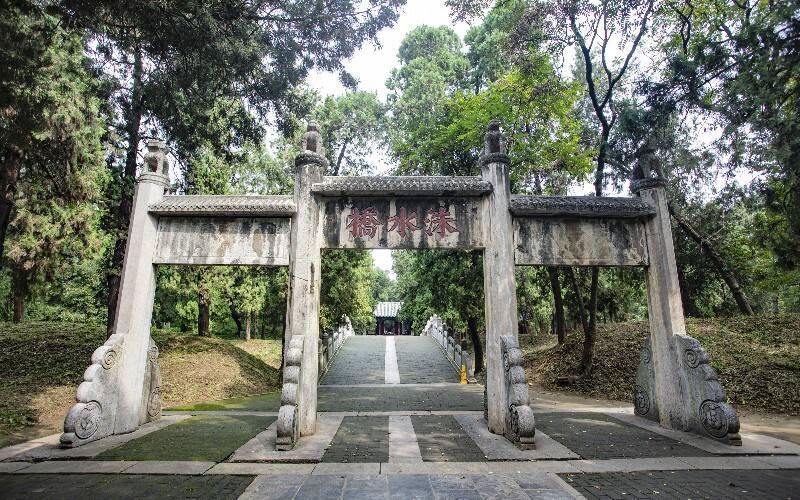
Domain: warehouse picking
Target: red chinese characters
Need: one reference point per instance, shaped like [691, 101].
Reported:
[404, 222]
[364, 223]
[438, 221]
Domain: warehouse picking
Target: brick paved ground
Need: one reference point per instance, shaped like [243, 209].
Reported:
[119, 486]
[442, 439]
[467, 486]
[598, 436]
[420, 361]
[734, 484]
[451, 398]
[196, 438]
[360, 360]
[360, 439]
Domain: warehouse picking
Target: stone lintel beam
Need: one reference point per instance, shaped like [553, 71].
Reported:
[389, 186]
[224, 206]
[580, 206]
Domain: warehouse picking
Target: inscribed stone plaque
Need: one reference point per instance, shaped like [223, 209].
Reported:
[579, 242]
[223, 241]
[403, 222]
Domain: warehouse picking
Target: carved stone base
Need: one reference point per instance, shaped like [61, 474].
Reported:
[92, 417]
[705, 405]
[520, 423]
[288, 418]
[151, 391]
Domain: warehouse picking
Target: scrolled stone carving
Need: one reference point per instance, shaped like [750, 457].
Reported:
[520, 422]
[641, 401]
[714, 418]
[288, 414]
[692, 358]
[645, 354]
[88, 419]
[154, 402]
[92, 417]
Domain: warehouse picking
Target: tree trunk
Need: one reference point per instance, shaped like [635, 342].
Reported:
[203, 315]
[20, 291]
[8, 185]
[558, 300]
[248, 324]
[133, 120]
[576, 289]
[590, 335]
[237, 318]
[723, 269]
[474, 336]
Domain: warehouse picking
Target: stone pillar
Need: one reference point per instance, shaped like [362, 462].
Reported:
[664, 307]
[138, 287]
[302, 317]
[499, 282]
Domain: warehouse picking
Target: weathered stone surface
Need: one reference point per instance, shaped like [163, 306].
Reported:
[645, 403]
[228, 241]
[579, 206]
[288, 418]
[409, 223]
[224, 206]
[498, 273]
[520, 426]
[92, 417]
[151, 394]
[579, 242]
[402, 186]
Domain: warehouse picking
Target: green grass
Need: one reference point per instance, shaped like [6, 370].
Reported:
[757, 360]
[42, 364]
[262, 402]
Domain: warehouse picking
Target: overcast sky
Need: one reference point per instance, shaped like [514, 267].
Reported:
[371, 66]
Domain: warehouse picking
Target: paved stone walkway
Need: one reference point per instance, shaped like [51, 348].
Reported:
[394, 424]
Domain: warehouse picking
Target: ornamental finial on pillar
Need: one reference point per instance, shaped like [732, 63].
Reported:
[155, 159]
[311, 150]
[312, 139]
[494, 145]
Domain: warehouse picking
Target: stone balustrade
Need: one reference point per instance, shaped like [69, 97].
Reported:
[329, 345]
[455, 350]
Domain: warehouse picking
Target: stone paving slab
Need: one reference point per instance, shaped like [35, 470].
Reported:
[360, 360]
[198, 438]
[550, 466]
[442, 439]
[447, 397]
[49, 448]
[420, 361]
[257, 469]
[403, 444]
[752, 444]
[120, 486]
[78, 467]
[6, 467]
[628, 465]
[782, 462]
[734, 484]
[359, 440]
[161, 467]
[496, 447]
[600, 436]
[346, 469]
[725, 463]
[436, 468]
[308, 449]
[465, 487]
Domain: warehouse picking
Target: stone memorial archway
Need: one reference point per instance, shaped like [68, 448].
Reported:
[675, 384]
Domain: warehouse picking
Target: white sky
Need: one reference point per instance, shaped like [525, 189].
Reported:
[371, 66]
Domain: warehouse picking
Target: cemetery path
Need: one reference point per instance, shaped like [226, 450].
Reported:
[395, 423]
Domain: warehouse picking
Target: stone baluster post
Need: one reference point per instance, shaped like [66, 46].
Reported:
[138, 287]
[304, 270]
[498, 270]
[664, 306]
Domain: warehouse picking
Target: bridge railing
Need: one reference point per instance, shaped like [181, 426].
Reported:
[452, 345]
[329, 344]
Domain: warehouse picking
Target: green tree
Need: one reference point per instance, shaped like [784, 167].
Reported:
[173, 66]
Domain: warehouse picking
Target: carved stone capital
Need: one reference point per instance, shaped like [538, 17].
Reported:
[649, 183]
[489, 158]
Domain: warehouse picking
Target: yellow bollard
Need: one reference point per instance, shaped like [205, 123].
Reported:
[463, 374]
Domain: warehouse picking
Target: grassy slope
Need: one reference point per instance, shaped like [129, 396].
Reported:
[757, 360]
[41, 365]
